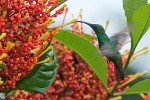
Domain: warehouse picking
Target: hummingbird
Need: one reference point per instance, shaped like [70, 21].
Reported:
[109, 47]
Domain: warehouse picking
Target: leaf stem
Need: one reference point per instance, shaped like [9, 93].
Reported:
[113, 90]
[115, 87]
[127, 63]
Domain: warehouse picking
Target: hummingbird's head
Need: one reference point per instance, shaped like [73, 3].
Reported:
[98, 29]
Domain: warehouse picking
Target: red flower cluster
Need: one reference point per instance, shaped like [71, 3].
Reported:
[75, 80]
[24, 36]
[24, 43]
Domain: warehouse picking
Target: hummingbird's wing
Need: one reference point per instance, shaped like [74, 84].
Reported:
[120, 39]
[107, 50]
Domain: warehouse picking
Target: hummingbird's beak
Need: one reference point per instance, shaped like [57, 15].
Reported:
[85, 23]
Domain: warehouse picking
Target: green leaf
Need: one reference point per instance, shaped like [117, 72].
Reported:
[42, 75]
[87, 51]
[141, 23]
[140, 87]
[88, 37]
[2, 66]
[130, 6]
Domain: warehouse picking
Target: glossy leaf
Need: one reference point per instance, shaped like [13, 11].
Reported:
[140, 87]
[41, 77]
[88, 37]
[130, 6]
[141, 23]
[87, 51]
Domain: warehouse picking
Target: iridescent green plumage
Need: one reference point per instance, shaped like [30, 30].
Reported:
[108, 48]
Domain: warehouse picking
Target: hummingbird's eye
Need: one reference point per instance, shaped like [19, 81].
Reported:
[95, 27]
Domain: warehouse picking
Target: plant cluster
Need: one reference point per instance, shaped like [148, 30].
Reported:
[28, 61]
[24, 37]
[75, 80]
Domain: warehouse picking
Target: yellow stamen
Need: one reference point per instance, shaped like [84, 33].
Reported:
[27, 15]
[98, 96]
[134, 77]
[0, 45]
[133, 58]
[107, 23]
[2, 35]
[17, 59]
[45, 61]
[126, 52]
[127, 87]
[47, 9]
[56, 28]
[55, 31]
[80, 14]
[48, 22]
[116, 98]
[81, 27]
[47, 34]
[144, 48]
[9, 46]
[65, 84]
[32, 67]
[78, 27]
[39, 37]
[72, 69]
[35, 50]
[65, 48]
[4, 55]
[17, 92]
[46, 50]
[30, 39]
[57, 82]
[143, 96]
[19, 74]
[68, 23]
[42, 0]
[45, 43]
[142, 53]
[143, 73]
[73, 17]
[1, 62]
[65, 5]
[4, 14]
[109, 89]
[1, 82]
[21, 1]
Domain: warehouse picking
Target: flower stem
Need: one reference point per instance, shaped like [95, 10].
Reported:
[113, 90]
[128, 60]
